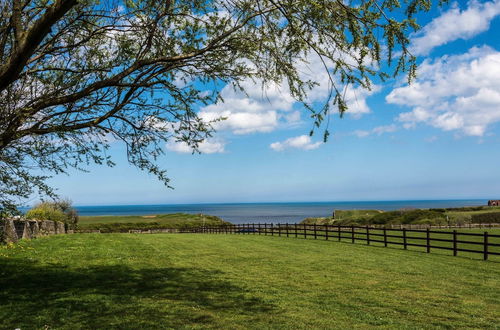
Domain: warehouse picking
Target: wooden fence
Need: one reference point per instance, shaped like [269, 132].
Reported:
[479, 243]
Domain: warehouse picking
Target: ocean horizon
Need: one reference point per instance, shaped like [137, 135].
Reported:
[274, 212]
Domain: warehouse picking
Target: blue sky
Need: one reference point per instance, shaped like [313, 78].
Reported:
[435, 139]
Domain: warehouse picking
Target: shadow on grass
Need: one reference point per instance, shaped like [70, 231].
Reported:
[37, 296]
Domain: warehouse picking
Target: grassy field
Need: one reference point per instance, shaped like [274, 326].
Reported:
[126, 222]
[238, 281]
[417, 237]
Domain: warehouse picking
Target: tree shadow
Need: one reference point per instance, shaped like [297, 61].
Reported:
[52, 296]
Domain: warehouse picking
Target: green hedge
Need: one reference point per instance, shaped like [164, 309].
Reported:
[493, 217]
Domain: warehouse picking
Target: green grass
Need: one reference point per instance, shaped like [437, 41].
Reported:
[131, 281]
[413, 237]
[350, 214]
[110, 223]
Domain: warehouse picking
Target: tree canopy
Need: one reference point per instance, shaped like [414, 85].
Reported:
[77, 75]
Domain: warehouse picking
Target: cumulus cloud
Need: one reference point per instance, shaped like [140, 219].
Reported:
[259, 110]
[454, 93]
[205, 147]
[302, 142]
[455, 24]
[265, 109]
[379, 130]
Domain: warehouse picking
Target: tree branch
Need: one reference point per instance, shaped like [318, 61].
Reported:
[30, 40]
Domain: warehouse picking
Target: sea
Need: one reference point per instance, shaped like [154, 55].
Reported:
[270, 212]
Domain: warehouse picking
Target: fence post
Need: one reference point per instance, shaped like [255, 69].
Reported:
[272, 229]
[326, 232]
[295, 227]
[338, 227]
[259, 227]
[287, 229]
[485, 242]
[367, 235]
[385, 237]
[279, 229]
[428, 240]
[455, 243]
[404, 239]
[352, 233]
[305, 231]
[315, 232]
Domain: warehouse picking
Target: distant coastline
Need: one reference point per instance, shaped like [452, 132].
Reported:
[270, 212]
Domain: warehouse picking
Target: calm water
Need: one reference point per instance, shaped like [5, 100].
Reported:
[270, 212]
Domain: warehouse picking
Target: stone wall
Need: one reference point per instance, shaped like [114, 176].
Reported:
[13, 230]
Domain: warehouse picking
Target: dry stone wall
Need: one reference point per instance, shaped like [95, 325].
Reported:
[12, 230]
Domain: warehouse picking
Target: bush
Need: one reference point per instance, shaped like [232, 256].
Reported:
[493, 217]
[45, 211]
[60, 210]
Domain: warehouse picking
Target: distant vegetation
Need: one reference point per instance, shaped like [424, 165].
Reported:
[437, 216]
[115, 224]
[60, 210]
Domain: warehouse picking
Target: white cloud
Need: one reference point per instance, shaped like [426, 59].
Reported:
[265, 109]
[455, 24]
[256, 111]
[361, 133]
[299, 142]
[431, 139]
[454, 93]
[205, 147]
[379, 130]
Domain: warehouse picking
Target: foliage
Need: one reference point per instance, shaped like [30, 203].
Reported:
[46, 211]
[59, 210]
[77, 75]
[113, 224]
[463, 209]
[406, 217]
[318, 221]
[492, 217]
[346, 214]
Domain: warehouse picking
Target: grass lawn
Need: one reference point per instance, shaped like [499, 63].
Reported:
[438, 238]
[132, 281]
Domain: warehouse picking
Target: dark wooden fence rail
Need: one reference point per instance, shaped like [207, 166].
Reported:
[481, 243]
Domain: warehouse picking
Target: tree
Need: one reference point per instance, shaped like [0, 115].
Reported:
[78, 74]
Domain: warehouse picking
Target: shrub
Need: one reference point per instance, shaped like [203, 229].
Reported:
[492, 217]
[60, 210]
[45, 212]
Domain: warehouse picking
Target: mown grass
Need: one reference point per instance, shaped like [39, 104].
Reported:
[415, 237]
[132, 281]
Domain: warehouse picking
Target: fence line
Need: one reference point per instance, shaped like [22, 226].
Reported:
[480, 243]
[423, 226]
